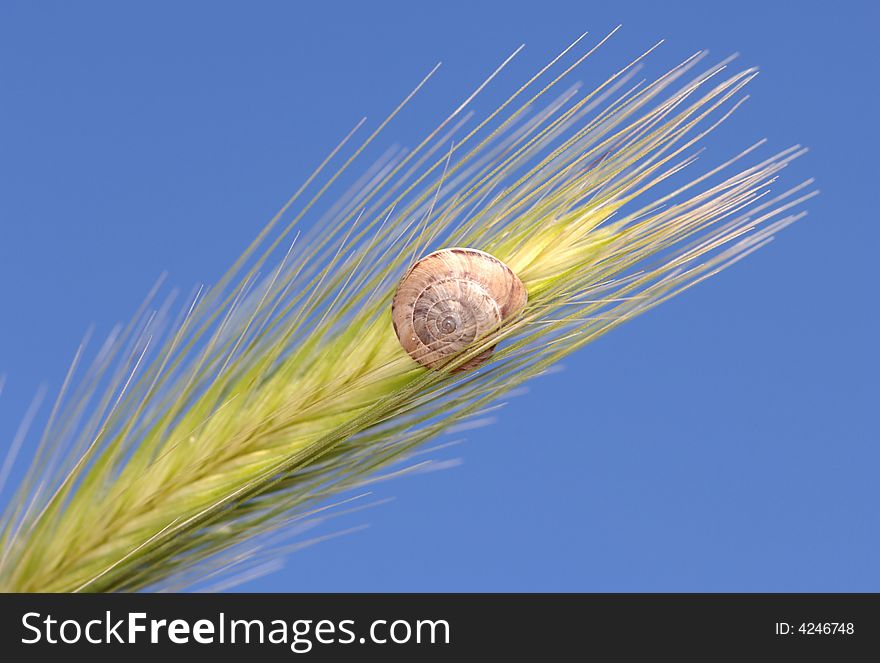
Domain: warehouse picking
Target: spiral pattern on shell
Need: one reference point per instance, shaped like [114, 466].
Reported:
[451, 298]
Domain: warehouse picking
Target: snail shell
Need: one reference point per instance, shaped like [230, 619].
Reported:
[450, 299]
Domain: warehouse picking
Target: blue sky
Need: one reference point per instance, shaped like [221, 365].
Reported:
[725, 441]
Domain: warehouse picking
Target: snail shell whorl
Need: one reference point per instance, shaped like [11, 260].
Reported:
[451, 298]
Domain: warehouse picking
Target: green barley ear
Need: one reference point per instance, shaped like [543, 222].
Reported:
[193, 441]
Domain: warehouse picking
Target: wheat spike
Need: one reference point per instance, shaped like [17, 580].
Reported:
[284, 385]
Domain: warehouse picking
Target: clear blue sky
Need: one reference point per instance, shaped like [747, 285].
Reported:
[725, 441]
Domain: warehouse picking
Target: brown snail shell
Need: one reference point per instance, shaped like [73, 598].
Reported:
[451, 298]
